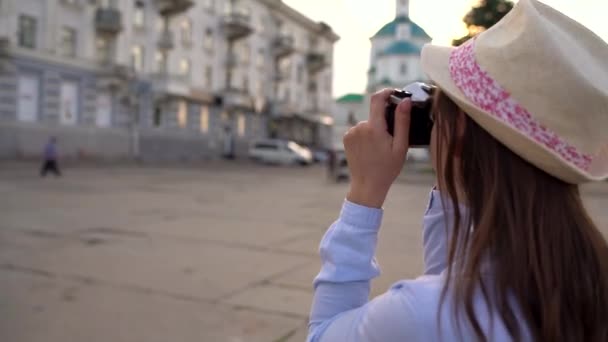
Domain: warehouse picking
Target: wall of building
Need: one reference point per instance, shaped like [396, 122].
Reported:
[133, 103]
[389, 67]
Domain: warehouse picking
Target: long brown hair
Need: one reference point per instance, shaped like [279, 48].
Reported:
[548, 261]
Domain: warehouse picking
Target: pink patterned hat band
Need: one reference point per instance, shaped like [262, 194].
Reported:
[485, 92]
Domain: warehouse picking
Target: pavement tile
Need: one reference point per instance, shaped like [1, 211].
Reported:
[201, 270]
[274, 299]
[35, 308]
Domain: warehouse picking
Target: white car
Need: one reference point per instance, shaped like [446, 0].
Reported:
[420, 155]
[280, 152]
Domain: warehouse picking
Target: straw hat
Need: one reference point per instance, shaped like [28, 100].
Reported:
[538, 82]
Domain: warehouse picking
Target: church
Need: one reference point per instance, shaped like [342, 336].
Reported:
[394, 63]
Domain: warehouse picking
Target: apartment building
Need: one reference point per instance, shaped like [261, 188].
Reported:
[161, 79]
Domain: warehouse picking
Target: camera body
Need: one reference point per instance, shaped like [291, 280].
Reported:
[421, 123]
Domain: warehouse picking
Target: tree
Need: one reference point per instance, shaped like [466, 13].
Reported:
[483, 16]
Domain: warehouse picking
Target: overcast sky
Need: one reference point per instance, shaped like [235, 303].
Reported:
[357, 20]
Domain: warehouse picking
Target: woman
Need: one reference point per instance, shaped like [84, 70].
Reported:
[510, 252]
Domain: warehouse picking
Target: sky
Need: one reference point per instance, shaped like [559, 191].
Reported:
[355, 21]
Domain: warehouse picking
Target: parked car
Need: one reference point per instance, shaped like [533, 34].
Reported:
[282, 152]
[419, 155]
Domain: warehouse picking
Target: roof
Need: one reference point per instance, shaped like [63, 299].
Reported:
[389, 30]
[320, 28]
[402, 47]
[350, 98]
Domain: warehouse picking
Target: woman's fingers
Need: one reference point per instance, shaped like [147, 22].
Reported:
[402, 127]
[378, 108]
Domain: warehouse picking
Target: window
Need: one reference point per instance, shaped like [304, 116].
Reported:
[263, 24]
[266, 146]
[285, 67]
[283, 90]
[184, 67]
[162, 24]
[261, 58]
[403, 31]
[255, 125]
[351, 118]
[204, 119]
[403, 69]
[208, 39]
[161, 62]
[68, 42]
[158, 117]
[300, 73]
[241, 125]
[209, 5]
[103, 49]
[27, 32]
[139, 14]
[209, 76]
[237, 8]
[259, 88]
[69, 96]
[103, 116]
[186, 32]
[243, 52]
[182, 114]
[137, 58]
[246, 83]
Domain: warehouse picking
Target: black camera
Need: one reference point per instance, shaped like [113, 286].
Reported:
[421, 122]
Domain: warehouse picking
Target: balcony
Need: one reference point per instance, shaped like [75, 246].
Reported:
[316, 62]
[166, 41]
[4, 46]
[282, 109]
[108, 21]
[283, 46]
[165, 84]
[172, 7]
[281, 75]
[237, 98]
[236, 25]
[115, 77]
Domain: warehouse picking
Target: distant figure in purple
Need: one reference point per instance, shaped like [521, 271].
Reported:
[50, 158]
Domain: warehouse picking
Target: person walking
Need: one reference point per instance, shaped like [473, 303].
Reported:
[50, 162]
[510, 253]
[331, 164]
[228, 146]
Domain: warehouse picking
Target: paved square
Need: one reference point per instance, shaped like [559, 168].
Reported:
[217, 252]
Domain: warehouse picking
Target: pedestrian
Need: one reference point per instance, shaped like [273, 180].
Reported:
[228, 143]
[510, 252]
[50, 162]
[331, 163]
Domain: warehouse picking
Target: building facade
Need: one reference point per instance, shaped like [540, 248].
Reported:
[394, 63]
[160, 79]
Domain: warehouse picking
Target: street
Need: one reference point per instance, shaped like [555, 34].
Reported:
[217, 252]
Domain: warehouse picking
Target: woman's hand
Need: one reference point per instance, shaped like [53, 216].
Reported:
[375, 158]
